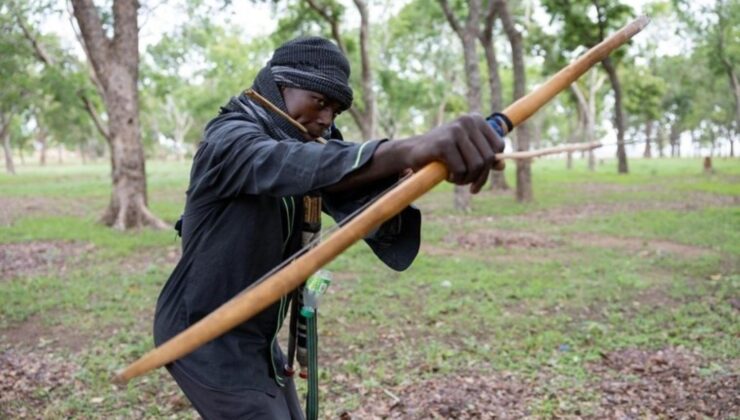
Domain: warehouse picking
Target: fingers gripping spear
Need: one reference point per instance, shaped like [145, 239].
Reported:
[263, 293]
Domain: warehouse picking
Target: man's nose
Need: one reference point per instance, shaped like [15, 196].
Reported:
[326, 116]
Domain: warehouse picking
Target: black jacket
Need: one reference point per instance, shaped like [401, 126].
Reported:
[242, 218]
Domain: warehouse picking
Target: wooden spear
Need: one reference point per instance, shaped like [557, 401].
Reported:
[262, 294]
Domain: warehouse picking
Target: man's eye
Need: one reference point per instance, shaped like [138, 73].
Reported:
[320, 102]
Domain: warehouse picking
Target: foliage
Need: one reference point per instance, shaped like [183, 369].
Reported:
[419, 78]
[226, 66]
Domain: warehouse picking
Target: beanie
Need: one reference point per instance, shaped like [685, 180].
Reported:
[315, 64]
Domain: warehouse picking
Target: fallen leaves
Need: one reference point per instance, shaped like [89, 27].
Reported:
[626, 384]
[26, 259]
[503, 239]
[28, 381]
[459, 396]
[668, 384]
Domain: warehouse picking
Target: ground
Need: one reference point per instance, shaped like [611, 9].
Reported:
[608, 297]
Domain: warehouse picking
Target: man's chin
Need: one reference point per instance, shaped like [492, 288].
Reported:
[316, 134]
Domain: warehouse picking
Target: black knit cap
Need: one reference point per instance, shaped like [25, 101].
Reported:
[316, 64]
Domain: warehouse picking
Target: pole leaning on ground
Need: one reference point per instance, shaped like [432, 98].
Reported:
[259, 296]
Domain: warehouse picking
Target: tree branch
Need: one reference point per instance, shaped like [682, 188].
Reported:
[47, 60]
[332, 21]
[95, 117]
[96, 43]
[489, 21]
[451, 17]
[91, 70]
[38, 49]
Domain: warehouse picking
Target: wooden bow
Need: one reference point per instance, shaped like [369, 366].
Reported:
[264, 293]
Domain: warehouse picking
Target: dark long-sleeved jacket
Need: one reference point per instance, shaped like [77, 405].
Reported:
[243, 217]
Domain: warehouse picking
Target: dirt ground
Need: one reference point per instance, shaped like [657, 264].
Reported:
[627, 384]
[14, 208]
[28, 259]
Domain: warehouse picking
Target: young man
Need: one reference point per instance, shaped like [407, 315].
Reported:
[244, 212]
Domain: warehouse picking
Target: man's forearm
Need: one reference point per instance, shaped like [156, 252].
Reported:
[390, 159]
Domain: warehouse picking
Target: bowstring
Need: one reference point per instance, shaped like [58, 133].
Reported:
[326, 232]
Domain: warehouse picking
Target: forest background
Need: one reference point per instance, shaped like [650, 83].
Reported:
[103, 105]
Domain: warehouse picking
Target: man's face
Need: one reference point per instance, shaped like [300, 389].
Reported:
[313, 110]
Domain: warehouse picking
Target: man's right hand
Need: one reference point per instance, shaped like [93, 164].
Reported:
[466, 145]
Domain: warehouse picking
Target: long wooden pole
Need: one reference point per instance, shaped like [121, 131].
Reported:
[258, 297]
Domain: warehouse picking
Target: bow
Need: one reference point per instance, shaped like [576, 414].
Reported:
[280, 282]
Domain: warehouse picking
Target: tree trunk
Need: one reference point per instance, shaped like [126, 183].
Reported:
[523, 166]
[577, 131]
[7, 150]
[365, 117]
[43, 139]
[494, 78]
[472, 73]
[674, 138]
[498, 178]
[498, 181]
[591, 160]
[596, 82]
[648, 153]
[660, 139]
[462, 193]
[732, 147]
[468, 36]
[83, 154]
[368, 94]
[182, 122]
[60, 154]
[116, 64]
[618, 114]
[587, 110]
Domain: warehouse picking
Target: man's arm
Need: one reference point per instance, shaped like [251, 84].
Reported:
[467, 146]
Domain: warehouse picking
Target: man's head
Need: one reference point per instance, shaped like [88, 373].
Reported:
[313, 75]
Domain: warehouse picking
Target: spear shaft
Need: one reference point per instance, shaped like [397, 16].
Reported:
[264, 293]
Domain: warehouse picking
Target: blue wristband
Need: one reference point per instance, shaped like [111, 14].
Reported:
[500, 123]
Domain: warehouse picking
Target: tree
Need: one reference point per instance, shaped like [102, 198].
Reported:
[643, 101]
[715, 29]
[468, 34]
[331, 13]
[19, 85]
[498, 178]
[523, 166]
[191, 72]
[420, 80]
[587, 107]
[581, 29]
[115, 62]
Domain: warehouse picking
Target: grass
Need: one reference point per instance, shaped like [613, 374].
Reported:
[524, 310]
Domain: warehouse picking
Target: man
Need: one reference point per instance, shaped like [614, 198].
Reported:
[244, 212]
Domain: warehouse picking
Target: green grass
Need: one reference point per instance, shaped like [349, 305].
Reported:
[492, 309]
